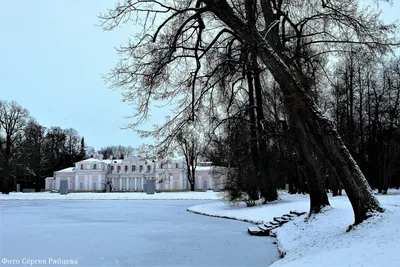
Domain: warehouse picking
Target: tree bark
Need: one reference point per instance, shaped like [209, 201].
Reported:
[193, 173]
[269, 191]
[191, 186]
[5, 181]
[266, 185]
[315, 182]
[317, 134]
[253, 130]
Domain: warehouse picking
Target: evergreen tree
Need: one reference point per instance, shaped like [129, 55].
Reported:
[82, 152]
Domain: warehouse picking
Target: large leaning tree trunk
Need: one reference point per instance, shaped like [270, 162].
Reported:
[316, 134]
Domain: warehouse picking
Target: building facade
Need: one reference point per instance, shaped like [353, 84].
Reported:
[130, 174]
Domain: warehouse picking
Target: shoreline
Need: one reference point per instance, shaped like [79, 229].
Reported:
[278, 245]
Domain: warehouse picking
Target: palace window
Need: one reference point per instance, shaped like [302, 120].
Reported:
[133, 168]
[161, 166]
[94, 166]
[177, 165]
[126, 168]
[118, 168]
[148, 168]
[81, 166]
[112, 168]
[140, 168]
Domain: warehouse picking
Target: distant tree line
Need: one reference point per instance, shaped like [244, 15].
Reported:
[30, 152]
[363, 100]
[116, 152]
[366, 109]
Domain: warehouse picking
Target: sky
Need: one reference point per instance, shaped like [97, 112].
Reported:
[52, 57]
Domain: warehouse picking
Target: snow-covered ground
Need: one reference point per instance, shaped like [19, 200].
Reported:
[110, 196]
[323, 240]
[124, 233]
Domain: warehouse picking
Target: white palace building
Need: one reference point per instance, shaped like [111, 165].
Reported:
[130, 174]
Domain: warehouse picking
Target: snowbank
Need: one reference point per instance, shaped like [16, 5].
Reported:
[323, 240]
[113, 196]
[256, 214]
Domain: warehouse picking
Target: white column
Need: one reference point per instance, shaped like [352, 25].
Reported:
[171, 182]
[127, 183]
[135, 183]
[181, 181]
[76, 182]
[85, 187]
[99, 182]
[113, 182]
[120, 183]
[69, 183]
[200, 182]
[142, 183]
[90, 187]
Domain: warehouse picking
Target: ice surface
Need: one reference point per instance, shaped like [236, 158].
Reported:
[128, 195]
[127, 233]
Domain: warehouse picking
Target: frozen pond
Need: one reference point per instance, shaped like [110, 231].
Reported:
[127, 233]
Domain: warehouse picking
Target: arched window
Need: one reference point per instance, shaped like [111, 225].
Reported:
[126, 168]
[148, 168]
[140, 168]
[94, 166]
[133, 168]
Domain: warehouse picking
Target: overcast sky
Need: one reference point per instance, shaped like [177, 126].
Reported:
[52, 57]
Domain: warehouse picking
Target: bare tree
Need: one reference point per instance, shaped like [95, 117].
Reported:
[117, 152]
[192, 147]
[366, 102]
[167, 59]
[55, 146]
[72, 144]
[36, 159]
[13, 119]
